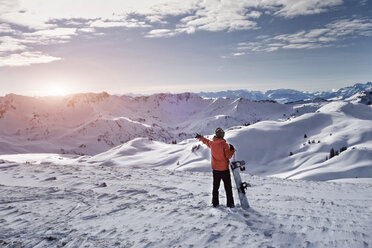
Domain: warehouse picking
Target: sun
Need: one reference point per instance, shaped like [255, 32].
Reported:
[56, 90]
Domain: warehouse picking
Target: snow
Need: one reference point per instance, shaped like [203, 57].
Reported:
[66, 203]
[266, 146]
[97, 170]
[102, 121]
[124, 134]
[289, 95]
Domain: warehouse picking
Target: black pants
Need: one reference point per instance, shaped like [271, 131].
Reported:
[225, 176]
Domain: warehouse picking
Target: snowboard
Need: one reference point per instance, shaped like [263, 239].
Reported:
[241, 186]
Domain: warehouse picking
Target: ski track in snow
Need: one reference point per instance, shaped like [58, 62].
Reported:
[48, 205]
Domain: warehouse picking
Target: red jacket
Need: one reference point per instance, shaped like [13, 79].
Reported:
[220, 152]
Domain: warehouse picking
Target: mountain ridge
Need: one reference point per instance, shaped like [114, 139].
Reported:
[290, 95]
[92, 123]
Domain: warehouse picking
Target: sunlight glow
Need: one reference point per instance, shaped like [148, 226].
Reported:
[55, 90]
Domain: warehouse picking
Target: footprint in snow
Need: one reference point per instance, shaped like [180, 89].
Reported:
[213, 237]
[89, 217]
[51, 179]
[168, 188]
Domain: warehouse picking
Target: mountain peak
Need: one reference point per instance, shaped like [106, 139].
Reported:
[86, 98]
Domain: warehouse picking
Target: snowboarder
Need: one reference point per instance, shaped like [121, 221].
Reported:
[221, 153]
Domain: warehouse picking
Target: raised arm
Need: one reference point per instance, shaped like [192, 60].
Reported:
[204, 140]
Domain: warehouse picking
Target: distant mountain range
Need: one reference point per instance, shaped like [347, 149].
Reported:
[288, 95]
[90, 123]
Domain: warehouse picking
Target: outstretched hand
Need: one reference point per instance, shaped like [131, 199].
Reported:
[198, 136]
[232, 148]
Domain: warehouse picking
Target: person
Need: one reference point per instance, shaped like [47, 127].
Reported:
[221, 152]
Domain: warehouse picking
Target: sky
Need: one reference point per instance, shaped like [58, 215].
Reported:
[54, 47]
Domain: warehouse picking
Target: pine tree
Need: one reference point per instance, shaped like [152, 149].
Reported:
[331, 153]
[344, 148]
[305, 136]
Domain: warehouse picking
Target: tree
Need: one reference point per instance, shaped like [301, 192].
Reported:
[331, 153]
[305, 136]
[291, 153]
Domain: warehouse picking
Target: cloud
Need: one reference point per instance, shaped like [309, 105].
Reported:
[49, 36]
[128, 23]
[87, 30]
[26, 58]
[212, 15]
[238, 54]
[21, 41]
[292, 8]
[348, 27]
[18, 50]
[207, 15]
[329, 35]
[160, 33]
[10, 44]
[219, 16]
[230, 15]
[5, 28]
[28, 24]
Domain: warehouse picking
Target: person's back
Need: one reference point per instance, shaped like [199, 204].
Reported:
[221, 152]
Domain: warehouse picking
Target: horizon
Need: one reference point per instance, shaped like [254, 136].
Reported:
[133, 94]
[141, 47]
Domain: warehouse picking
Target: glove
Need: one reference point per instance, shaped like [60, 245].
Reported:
[198, 136]
[232, 147]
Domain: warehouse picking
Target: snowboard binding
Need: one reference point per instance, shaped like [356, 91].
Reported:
[238, 164]
[243, 187]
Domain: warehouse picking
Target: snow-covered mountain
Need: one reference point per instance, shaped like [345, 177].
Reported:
[288, 95]
[298, 148]
[93, 123]
[144, 127]
[137, 189]
[364, 97]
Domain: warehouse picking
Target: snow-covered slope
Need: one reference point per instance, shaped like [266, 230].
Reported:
[273, 148]
[346, 92]
[93, 123]
[364, 97]
[289, 95]
[138, 132]
[148, 193]
[57, 201]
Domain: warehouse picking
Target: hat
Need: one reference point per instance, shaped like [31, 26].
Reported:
[220, 133]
